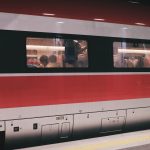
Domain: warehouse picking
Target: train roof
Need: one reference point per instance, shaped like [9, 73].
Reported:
[116, 11]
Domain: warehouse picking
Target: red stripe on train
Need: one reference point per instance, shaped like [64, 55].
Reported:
[46, 90]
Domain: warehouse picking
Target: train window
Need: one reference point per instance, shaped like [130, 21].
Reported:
[131, 55]
[56, 53]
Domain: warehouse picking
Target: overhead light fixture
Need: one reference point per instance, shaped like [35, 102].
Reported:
[99, 19]
[134, 2]
[48, 14]
[60, 22]
[137, 51]
[140, 24]
[40, 47]
[124, 28]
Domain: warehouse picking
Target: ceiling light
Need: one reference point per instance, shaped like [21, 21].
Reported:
[124, 28]
[48, 14]
[139, 23]
[99, 19]
[42, 48]
[134, 2]
[60, 22]
[137, 51]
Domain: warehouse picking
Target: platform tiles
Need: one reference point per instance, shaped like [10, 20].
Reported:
[125, 141]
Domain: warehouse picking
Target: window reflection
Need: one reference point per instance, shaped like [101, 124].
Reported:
[56, 53]
[131, 55]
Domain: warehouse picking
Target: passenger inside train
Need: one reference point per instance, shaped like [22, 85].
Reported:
[56, 53]
[131, 55]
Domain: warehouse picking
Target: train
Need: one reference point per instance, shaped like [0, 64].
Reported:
[64, 79]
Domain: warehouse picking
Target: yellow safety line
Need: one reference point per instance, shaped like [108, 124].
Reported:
[110, 144]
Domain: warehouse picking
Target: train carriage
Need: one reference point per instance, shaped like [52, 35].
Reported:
[65, 79]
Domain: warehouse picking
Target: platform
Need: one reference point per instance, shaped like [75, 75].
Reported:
[139, 140]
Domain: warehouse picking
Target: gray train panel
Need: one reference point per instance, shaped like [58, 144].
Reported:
[70, 121]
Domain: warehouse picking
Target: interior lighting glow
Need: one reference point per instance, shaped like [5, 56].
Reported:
[60, 22]
[99, 19]
[137, 51]
[139, 23]
[124, 28]
[39, 47]
[134, 2]
[48, 14]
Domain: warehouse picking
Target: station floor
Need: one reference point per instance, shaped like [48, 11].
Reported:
[139, 140]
